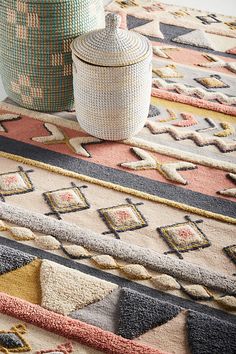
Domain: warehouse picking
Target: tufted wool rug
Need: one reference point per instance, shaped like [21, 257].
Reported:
[128, 247]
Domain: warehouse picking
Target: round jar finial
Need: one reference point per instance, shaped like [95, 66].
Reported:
[112, 22]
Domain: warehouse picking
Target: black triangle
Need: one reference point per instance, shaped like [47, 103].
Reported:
[138, 313]
[170, 32]
[209, 335]
[11, 259]
[153, 111]
[133, 22]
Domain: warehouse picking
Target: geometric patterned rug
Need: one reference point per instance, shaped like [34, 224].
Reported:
[129, 246]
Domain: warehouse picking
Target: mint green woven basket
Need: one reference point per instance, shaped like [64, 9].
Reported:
[35, 55]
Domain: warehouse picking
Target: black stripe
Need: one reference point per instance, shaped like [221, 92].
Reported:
[173, 299]
[156, 188]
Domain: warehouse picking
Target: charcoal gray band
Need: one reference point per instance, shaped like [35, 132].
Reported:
[122, 178]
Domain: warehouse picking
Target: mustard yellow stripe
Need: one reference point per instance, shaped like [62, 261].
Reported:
[181, 107]
[146, 196]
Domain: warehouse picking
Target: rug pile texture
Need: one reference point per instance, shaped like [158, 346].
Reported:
[128, 247]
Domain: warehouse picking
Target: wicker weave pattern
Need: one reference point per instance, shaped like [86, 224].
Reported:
[35, 38]
[112, 102]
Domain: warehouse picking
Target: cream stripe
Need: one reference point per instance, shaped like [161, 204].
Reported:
[146, 196]
[202, 160]
[117, 248]
[44, 117]
[184, 155]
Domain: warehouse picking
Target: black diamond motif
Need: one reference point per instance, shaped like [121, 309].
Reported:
[10, 341]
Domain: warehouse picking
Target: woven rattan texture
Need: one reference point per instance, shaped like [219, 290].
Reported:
[35, 38]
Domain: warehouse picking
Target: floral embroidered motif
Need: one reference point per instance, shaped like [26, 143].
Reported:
[184, 237]
[17, 182]
[124, 217]
[60, 349]
[66, 200]
[212, 81]
[12, 341]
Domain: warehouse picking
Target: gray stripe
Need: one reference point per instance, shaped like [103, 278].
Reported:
[64, 231]
[160, 189]
[173, 299]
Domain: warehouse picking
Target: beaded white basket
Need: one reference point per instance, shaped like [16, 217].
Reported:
[112, 81]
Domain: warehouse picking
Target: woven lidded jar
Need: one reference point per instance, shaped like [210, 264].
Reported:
[112, 81]
[35, 54]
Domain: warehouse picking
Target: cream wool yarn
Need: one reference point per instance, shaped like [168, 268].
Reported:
[65, 290]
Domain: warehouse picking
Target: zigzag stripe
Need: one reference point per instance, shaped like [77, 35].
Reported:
[194, 91]
[194, 136]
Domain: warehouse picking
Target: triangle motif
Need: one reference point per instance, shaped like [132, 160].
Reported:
[196, 38]
[139, 313]
[101, 314]
[151, 29]
[174, 329]
[134, 22]
[11, 259]
[65, 290]
[23, 282]
[209, 335]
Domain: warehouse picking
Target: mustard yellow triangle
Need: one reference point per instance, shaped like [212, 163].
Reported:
[23, 282]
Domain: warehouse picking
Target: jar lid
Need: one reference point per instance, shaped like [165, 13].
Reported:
[111, 46]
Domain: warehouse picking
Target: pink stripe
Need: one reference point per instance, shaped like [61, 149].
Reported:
[176, 97]
[70, 328]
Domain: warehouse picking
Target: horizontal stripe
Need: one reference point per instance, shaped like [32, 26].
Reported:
[188, 200]
[70, 328]
[181, 154]
[44, 117]
[173, 299]
[65, 231]
[194, 101]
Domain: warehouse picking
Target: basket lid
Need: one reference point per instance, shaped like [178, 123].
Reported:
[111, 46]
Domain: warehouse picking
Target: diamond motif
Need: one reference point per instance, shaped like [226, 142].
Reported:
[66, 200]
[197, 292]
[17, 182]
[22, 233]
[165, 282]
[48, 242]
[135, 272]
[212, 81]
[228, 302]
[184, 237]
[124, 217]
[12, 340]
[75, 251]
[231, 252]
[105, 262]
